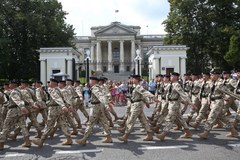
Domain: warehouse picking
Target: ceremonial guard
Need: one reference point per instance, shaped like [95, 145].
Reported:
[15, 115]
[139, 99]
[97, 102]
[56, 110]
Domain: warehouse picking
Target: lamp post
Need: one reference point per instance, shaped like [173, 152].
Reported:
[137, 60]
[87, 60]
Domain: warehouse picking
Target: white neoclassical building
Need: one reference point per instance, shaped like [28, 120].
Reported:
[59, 62]
[113, 53]
[167, 59]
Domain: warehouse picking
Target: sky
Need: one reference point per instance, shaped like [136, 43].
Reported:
[84, 14]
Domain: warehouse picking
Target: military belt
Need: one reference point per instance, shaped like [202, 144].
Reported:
[13, 106]
[173, 99]
[215, 98]
[194, 93]
[133, 101]
[95, 102]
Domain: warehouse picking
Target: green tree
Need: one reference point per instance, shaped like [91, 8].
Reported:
[206, 27]
[25, 26]
[233, 54]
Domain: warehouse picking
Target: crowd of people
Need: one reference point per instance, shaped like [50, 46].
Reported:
[208, 95]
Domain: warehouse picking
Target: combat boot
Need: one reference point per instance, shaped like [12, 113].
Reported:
[218, 124]
[27, 142]
[79, 125]
[187, 134]
[124, 137]
[203, 135]
[122, 130]
[149, 137]
[155, 129]
[52, 132]
[68, 141]
[178, 127]
[194, 124]
[233, 133]
[81, 141]
[1, 146]
[111, 123]
[108, 139]
[188, 120]
[235, 123]
[38, 142]
[162, 136]
[75, 131]
[39, 134]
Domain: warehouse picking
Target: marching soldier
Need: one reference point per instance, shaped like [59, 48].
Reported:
[175, 94]
[78, 103]
[42, 98]
[6, 92]
[15, 115]
[216, 106]
[237, 91]
[187, 88]
[203, 96]
[138, 99]
[56, 110]
[2, 100]
[164, 111]
[98, 101]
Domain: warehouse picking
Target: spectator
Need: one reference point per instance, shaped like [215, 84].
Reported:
[152, 86]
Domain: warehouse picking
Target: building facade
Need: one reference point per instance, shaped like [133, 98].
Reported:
[116, 51]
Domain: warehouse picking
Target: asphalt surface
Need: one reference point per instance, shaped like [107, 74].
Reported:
[217, 147]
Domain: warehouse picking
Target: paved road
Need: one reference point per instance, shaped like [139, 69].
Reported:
[218, 146]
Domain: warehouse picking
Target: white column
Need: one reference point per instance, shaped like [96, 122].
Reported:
[183, 65]
[92, 67]
[133, 50]
[110, 68]
[122, 69]
[99, 57]
[156, 66]
[77, 69]
[69, 68]
[43, 71]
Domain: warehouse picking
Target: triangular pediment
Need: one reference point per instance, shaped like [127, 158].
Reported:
[115, 29]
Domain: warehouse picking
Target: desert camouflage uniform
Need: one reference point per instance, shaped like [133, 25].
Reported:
[42, 98]
[14, 115]
[79, 102]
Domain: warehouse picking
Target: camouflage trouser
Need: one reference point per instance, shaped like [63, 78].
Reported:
[4, 112]
[96, 115]
[174, 115]
[43, 112]
[13, 117]
[237, 102]
[32, 115]
[196, 101]
[203, 110]
[70, 119]
[163, 112]
[230, 103]
[55, 115]
[157, 111]
[137, 112]
[1, 117]
[107, 114]
[127, 113]
[216, 113]
[81, 107]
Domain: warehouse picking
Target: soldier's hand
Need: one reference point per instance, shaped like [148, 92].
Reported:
[24, 110]
[65, 109]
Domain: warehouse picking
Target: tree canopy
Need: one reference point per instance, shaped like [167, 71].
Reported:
[205, 26]
[25, 26]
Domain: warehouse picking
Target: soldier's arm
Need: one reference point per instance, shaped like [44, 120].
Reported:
[38, 95]
[16, 97]
[79, 92]
[184, 96]
[57, 98]
[100, 96]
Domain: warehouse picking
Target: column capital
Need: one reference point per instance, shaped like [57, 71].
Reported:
[109, 41]
[122, 41]
[69, 59]
[42, 59]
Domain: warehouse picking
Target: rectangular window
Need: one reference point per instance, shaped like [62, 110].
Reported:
[104, 68]
[128, 69]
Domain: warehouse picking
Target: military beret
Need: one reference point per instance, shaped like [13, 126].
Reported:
[194, 74]
[69, 80]
[39, 82]
[23, 81]
[215, 71]
[187, 74]
[61, 81]
[175, 74]
[226, 72]
[160, 75]
[77, 81]
[135, 76]
[13, 81]
[53, 80]
[206, 73]
[94, 78]
[166, 75]
[101, 78]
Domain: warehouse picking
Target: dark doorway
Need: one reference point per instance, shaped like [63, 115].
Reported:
[116, 69]
[169, 71]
